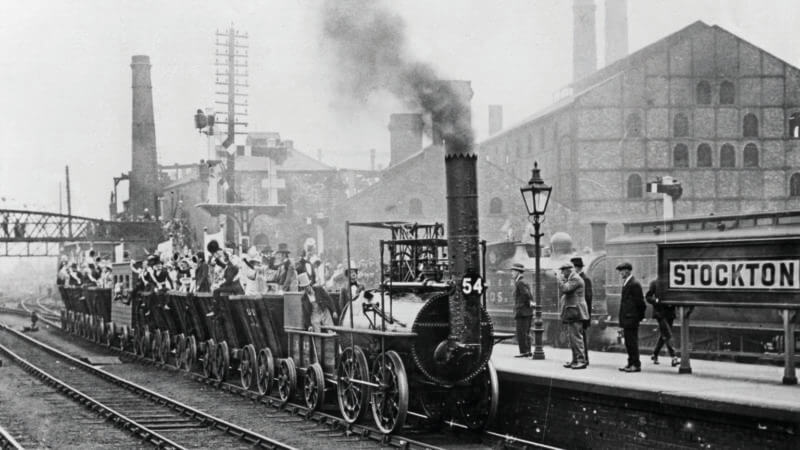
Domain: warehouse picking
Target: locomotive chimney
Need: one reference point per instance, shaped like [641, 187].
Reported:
[495, 119]
[598, 236]
[405, 136]
[144, 186]
[584, 45]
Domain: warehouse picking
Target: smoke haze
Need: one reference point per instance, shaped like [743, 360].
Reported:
[369, 53]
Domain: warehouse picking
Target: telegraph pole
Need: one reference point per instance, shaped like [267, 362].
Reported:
[231, 72]
[69, 206]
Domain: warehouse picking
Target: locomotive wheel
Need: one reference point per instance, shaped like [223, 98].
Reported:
[222, 361]
[166, 347]
[208, 358]
[353, 396]
[390, 398]
[191, 353]
[247, 366]
[266, 371]
[314, 386]
[434, 403]
[477, 405]
[109, 334]
[155, 348]
[180, 351]
[287, 379]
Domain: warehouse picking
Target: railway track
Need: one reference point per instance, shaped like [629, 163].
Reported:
[153, 418]
[7, 440]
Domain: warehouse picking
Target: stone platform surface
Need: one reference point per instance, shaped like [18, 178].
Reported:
[746, 389]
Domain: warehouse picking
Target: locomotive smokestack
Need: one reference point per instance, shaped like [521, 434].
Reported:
[144, 165]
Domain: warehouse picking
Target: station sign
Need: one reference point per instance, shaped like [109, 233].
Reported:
[747, 271]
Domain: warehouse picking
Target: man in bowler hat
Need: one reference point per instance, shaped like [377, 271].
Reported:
[631, 312]
[577, 262]
[523, 310]
[573, 313]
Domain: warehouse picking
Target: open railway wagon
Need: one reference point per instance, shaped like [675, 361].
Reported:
[392, 340]
[94, 313]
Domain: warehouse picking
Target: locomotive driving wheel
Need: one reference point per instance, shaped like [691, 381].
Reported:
[222, 361]
[247, 366]
[191, 353]
[287, 379]
[477, 404]
[266, 371]
[208, 358]
[390, 397]
[314, 386]
[351, 371]
[166, 347]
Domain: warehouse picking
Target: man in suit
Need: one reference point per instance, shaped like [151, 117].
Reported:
[573, 313]
[665, 315]
[349, 292]
[523, 310]
[587, 295]
[318, 307]
[631, 312]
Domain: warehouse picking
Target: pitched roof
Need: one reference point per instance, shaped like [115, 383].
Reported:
[297, 161]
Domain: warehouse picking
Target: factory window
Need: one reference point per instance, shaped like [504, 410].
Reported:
[703, 93]
[680, 125]
[727, 156]
[726, 93]
[495, 206]
[703, 155]
[750, 125]
[794, 185]
[633, 125]
[750, 155]
[794, 125]
[634, 186]
[415, 206]
[680, 156]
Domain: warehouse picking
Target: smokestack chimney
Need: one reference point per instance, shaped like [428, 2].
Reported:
[405, 139]
[144, 186]
[584, 46]
[372, 159]
[598, 236]
[495, 119]
[616, 30]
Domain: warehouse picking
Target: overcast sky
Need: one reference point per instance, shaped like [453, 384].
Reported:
[65, 82]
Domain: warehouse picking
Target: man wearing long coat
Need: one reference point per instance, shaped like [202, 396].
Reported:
[523, 311]
[631, 311]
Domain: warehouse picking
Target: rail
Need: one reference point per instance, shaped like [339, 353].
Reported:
[7, 441]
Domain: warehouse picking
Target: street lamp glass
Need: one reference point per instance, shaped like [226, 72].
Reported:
[536, 194]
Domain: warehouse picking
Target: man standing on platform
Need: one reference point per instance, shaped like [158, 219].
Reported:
[587, 295]
[523, 310]
[665, 315]
[631, 312]
[573, 312]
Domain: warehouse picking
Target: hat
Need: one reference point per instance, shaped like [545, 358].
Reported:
[252, 254]
[213, 246]
[624, 266]
[566, 265]
[302, 280]
[577, 261]
[283, 248]
[518, 267]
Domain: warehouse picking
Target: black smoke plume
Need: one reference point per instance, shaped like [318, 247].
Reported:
[367, 42]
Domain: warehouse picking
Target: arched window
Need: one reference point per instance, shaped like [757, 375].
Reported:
[634, 186]
[415, 206]
[727, 156]
[794, 185]
[633, 125]
[794, 125]
[680, 125]
[726, 93]
[680, 156]
[495, 206]
[703, 93]
[750, 155]
[750, 125]
[703, 155]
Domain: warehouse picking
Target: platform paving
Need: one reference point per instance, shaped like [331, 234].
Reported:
[748, 389]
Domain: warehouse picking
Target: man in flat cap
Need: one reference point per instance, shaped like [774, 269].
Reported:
[577, 262]
[631, 312]
[573, 312]
[523, 310]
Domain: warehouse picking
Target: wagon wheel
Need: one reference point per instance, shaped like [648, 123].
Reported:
[314, 386]
[67, 321]
[191, 353]
[477, 405]
[166, 347]
[144, 343]
[222, 361]
[390, 397]
[180, 351]
[353, 396]
[266, 371]
[155, 348]
[84, 326]
[287, 379]
[247, 366]
[208, 358]
[109, 334]
[124, 338]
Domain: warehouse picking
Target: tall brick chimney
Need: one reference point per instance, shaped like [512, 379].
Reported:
[144, 186]
[584, 45]
[495, 119]
[616, 30]
[405, 135]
